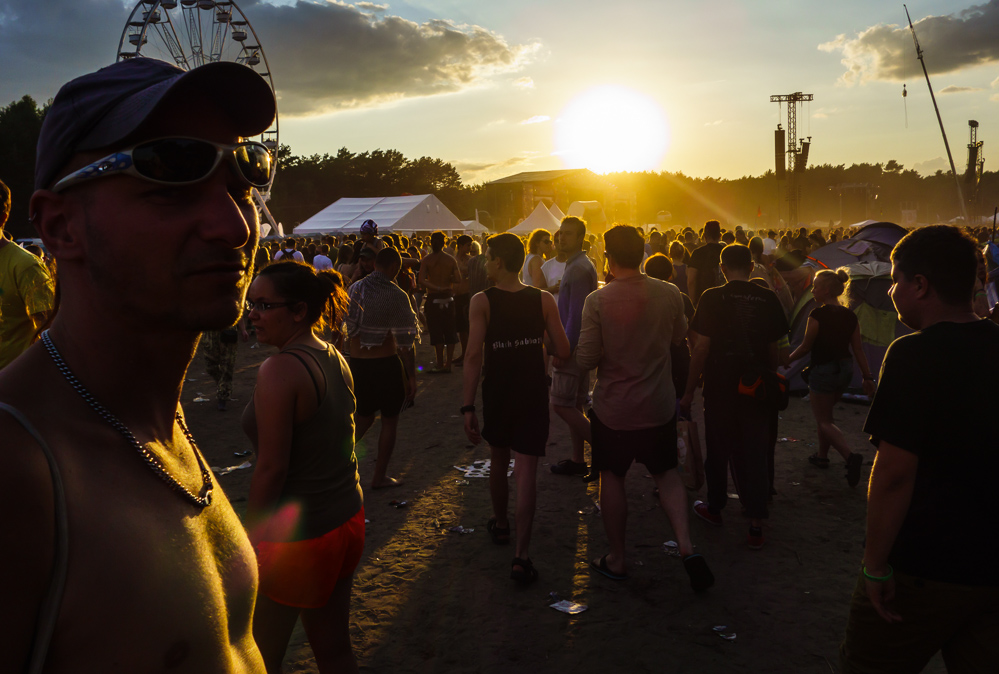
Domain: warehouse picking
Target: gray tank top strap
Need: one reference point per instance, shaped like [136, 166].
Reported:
[49, 612]
[319, 393]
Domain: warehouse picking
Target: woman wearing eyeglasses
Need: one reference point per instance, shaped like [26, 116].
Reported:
[305, 513]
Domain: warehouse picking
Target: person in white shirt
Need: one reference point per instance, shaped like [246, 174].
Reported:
[289, 251]
[322, 261]
[553, 269]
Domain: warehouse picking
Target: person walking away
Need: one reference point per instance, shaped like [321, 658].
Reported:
[927, 580]
[305, 512]
[571, 383]
[462, 297]
[735, 333]
[831, 331]
[438, 274]
[628, 328]
[383, 330]
[704, 269]
[508, 326]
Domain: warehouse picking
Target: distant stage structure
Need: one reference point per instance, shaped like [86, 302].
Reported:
[797, 152]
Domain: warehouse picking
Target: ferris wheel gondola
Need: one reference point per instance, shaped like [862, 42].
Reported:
[191, 33]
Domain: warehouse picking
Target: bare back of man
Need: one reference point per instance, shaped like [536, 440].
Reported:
[159, 587]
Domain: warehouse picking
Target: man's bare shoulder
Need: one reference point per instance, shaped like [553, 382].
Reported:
[27, 526]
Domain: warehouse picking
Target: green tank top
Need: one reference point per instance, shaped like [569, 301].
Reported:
[322, 470]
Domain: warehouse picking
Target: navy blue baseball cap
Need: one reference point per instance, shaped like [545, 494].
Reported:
[369, 227]
[101, 109]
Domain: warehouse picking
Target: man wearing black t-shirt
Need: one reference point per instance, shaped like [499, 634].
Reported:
[704, 270]
[928, 580]
[735, 331]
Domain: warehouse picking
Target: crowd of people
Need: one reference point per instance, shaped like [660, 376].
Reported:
[158, 252]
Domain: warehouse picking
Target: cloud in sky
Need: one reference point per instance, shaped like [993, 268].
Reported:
[950, 43]
[931, 166]
[714, 123]
[524, 83]
[324, 55]
[471, 171]
[959, 90]
[537, 119]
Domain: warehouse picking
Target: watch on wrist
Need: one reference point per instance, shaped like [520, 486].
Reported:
[467, 408]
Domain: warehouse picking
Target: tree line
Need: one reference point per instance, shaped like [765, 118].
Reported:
[306, 184]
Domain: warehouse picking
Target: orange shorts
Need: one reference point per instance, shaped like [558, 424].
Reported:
[304, 573]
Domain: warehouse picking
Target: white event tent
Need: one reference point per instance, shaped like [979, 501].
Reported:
[540, 218]
[557, 212]
[417, 213]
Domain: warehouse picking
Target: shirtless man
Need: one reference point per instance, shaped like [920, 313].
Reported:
[159, 573]
[462, 297]
[439, 274]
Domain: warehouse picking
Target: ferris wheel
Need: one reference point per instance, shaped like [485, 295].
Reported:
[191, 33]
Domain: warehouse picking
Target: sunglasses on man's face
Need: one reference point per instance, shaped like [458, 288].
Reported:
[178, 161]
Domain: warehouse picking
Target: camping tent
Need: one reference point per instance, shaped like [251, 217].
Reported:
[474, 227]
[417, 213]
[867, 259]
[540, 218]
[557, 212]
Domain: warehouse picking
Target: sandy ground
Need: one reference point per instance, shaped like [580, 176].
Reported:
[429, 600]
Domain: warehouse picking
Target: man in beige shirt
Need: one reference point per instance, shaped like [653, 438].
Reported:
[628, 326]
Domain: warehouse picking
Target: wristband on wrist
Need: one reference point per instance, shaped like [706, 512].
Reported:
[467, 408]
[868, 378]
[877, 579]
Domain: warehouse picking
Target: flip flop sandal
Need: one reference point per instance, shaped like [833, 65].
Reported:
[818, 461]
[604, 570]
[697, 569]
[526, 575]
[499, 535]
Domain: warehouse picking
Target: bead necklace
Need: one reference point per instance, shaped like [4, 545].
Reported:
[154, 463]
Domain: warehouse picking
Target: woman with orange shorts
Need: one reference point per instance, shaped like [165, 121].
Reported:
[305, 513]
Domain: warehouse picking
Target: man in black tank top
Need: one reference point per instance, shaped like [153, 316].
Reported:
[508, 324]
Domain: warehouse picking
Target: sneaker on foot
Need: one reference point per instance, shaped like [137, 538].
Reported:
[755, 540]
[570, 467]
[701, 510]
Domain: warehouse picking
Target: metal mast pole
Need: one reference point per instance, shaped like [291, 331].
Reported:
[792, 190]
[950, 157]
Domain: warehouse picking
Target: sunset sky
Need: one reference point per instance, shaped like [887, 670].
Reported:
[501, 87]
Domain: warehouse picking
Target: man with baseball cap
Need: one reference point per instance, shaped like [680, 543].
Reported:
[128, 555]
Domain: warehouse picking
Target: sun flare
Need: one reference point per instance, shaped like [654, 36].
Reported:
[612, 128]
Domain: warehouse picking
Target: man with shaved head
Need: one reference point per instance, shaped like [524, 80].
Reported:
[128, 556]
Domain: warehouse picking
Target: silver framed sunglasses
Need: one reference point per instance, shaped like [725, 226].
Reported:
[178, 161]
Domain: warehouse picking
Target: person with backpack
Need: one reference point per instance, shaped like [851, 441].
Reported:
[735, 333]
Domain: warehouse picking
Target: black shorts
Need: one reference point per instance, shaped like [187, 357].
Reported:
[439, 310]
[379, 385]
[461, 307]
[616, 450]
[520, 426]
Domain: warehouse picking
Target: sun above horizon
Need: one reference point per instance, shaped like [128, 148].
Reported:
[612, 128]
